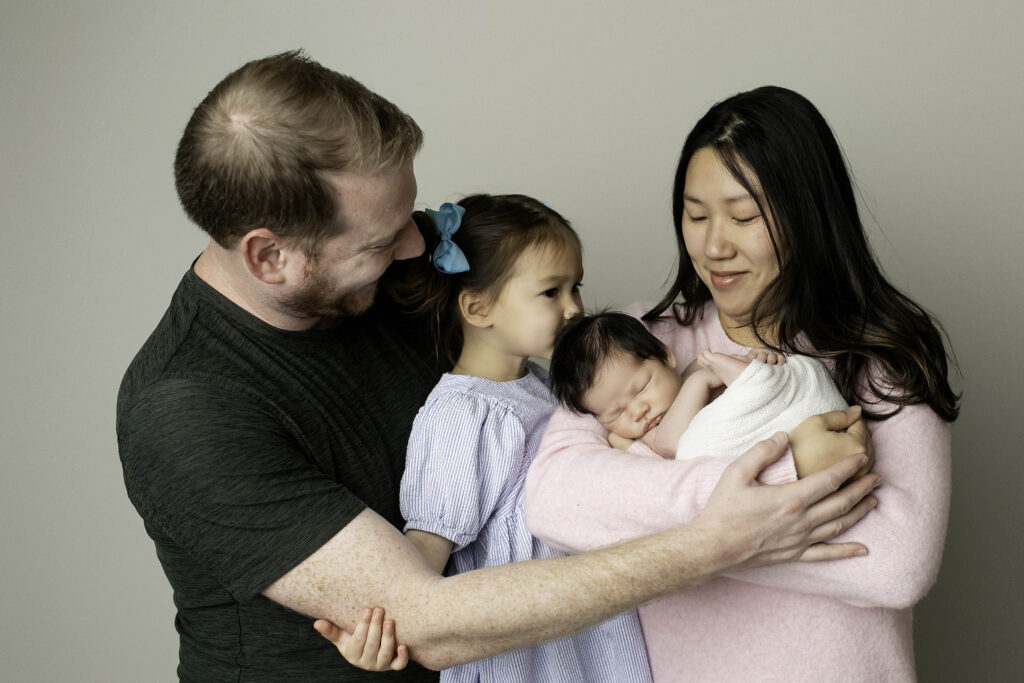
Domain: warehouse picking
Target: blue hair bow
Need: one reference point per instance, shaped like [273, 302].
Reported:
[448, 258]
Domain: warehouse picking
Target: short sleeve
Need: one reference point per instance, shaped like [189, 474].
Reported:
[464, 457]
[224, 479]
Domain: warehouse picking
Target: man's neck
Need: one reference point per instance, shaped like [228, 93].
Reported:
[223, 271]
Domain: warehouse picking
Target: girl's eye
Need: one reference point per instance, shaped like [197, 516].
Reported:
[550, 293]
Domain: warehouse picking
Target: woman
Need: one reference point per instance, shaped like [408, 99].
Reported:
[772, 254]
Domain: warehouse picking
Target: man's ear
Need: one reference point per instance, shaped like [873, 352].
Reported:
[265, 255]
[474, 309]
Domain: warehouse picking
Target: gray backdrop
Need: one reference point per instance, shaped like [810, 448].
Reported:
[583, 104]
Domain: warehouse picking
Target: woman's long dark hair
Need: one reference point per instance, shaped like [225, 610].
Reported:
[494, 232]
[884, 347]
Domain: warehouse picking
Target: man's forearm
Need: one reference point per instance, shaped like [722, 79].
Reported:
[447, 621]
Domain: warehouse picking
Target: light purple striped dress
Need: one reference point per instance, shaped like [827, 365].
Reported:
[469, 450]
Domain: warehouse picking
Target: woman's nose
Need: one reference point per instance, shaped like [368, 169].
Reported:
[717, 244]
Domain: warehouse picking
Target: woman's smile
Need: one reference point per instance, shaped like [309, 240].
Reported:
[723, 279]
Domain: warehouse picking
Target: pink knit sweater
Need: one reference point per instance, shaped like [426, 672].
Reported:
[847, 620]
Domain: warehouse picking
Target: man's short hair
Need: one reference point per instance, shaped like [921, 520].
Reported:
[585, 343]
[260, 147]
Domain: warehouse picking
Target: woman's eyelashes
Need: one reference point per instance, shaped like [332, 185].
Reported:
[746, 220]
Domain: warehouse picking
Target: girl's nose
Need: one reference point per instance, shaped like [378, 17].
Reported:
[572, 310]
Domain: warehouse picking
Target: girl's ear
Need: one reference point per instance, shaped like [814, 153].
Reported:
[474, 309]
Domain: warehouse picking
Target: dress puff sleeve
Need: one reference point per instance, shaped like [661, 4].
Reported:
[464, 457]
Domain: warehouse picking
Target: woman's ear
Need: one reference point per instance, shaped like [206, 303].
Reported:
[671, 360]
[474, 309]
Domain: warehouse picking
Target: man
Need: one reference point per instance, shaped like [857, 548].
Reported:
[262, 426]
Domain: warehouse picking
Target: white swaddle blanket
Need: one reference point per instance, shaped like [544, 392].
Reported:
[763, 400]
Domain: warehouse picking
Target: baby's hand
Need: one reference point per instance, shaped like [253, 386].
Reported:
[766, 356]
[372, 646]
[620, 442]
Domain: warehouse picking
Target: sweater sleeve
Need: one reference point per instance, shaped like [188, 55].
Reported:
[905, 534]
[582, 494]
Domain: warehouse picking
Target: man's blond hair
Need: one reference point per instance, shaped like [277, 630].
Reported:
[259, 148]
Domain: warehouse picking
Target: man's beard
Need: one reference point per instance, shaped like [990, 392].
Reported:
[318, 297]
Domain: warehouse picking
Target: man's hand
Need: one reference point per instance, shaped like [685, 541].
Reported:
[766, 525]
[372, 646]
[823, 440]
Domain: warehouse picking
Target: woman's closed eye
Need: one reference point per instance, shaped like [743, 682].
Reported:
[746, 221]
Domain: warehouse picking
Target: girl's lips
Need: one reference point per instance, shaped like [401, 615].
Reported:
[725, 279]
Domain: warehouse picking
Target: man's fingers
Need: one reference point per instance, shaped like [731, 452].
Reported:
[764, 453]
[832, 551]
[831, 528]
[825, 482]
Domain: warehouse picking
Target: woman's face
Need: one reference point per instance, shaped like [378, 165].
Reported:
[726, 238]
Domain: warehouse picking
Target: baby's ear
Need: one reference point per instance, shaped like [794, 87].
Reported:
[671, 360]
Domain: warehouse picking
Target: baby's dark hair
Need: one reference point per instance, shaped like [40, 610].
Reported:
[585, 343]
[494, 232]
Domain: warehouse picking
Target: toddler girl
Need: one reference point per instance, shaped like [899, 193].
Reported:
[503, 278]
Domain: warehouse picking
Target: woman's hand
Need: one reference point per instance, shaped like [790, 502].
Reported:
[823, 440]
[372, 646]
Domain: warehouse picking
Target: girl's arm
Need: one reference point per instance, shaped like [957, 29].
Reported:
[436, 549]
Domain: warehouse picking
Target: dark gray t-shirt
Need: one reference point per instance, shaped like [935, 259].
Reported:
[245, 448]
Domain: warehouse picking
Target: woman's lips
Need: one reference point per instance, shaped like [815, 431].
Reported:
[722, 279]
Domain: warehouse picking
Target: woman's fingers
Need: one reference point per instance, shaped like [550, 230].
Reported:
[839, 420]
